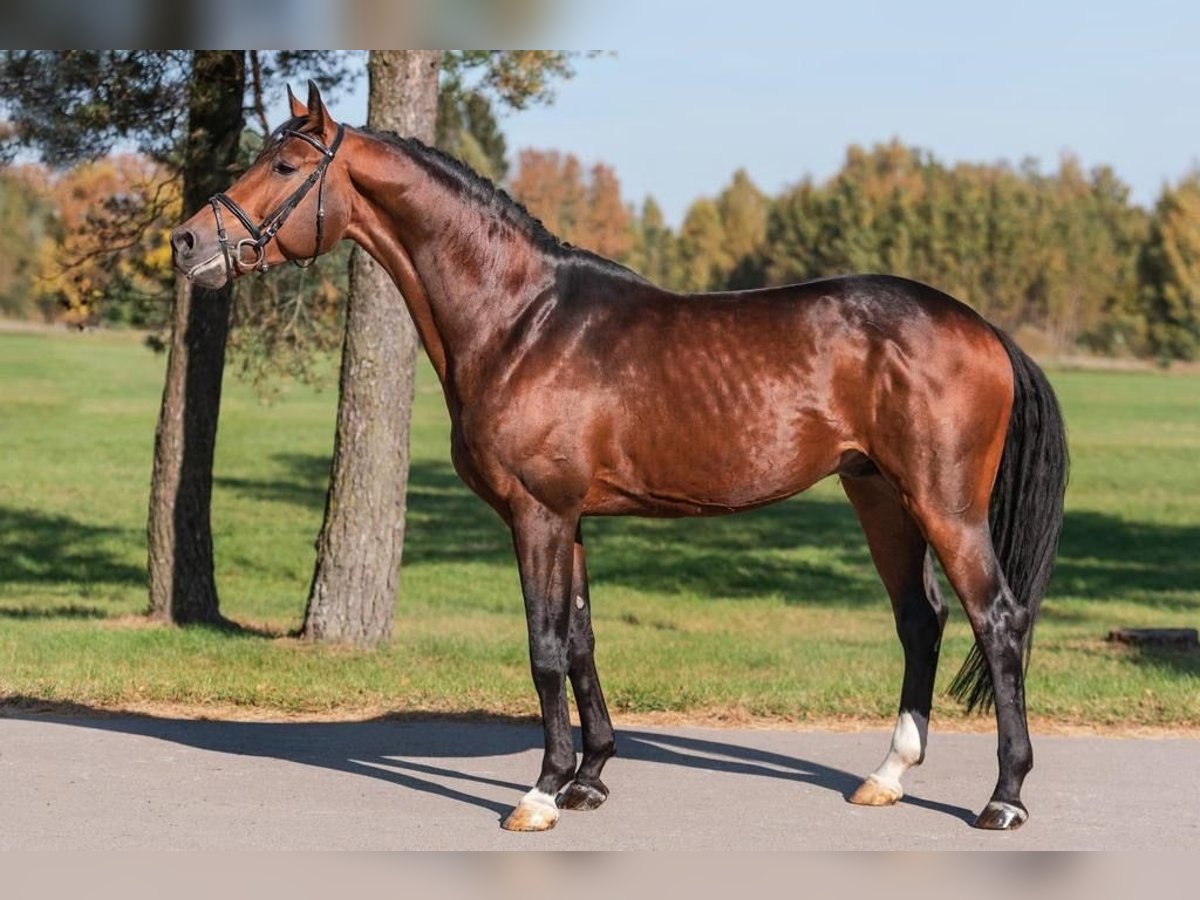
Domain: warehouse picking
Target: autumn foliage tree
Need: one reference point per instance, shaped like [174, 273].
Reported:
[105, 251]
[584, 209]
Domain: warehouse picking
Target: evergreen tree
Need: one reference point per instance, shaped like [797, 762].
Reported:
[743, 211]
[655, 253]
[704, 258]
[467, 128]
[1169, 268]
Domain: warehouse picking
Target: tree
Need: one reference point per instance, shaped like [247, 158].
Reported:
[25, 221]
[703, 253]
[74, 105]
[654, 247]
[743, 211]
[792, 228]
[606, 226]
[1053, 253]
[467, 128]
[551, 186]
[179, 531]
[353, 592]
[585, 211]
[103, 258]
[186, 110]
[1169, 267]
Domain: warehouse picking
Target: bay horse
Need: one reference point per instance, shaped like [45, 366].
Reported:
[577, 388]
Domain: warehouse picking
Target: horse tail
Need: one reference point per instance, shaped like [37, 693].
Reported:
[1026, 510]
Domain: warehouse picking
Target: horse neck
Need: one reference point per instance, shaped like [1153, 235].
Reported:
[465, 274]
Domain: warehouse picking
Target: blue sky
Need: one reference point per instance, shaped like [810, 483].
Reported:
[783, 88]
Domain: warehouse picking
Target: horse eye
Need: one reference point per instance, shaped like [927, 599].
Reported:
[284, 168]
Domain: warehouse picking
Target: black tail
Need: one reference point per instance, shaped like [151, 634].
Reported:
[1026, 508]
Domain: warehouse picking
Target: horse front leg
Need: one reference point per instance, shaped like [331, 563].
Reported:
[586, 791]
[544, 542]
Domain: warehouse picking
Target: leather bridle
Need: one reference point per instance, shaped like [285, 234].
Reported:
[236, 260]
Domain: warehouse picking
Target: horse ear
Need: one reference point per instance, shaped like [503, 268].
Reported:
[299, 110]
[319, 119]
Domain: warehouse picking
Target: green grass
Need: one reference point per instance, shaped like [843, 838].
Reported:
[777, 613]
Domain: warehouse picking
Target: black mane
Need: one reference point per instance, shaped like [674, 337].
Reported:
[496, 201]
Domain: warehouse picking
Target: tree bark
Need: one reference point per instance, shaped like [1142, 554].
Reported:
[179, 530]
[353, 593]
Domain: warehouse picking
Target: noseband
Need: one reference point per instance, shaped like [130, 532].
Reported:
[236, 259]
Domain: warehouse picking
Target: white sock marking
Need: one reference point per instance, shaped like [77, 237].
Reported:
[538, 798]
[908, 741]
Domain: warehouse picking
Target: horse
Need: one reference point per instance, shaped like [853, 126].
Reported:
[578, 388]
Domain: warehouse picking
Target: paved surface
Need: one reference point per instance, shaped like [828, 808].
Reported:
[152, 783]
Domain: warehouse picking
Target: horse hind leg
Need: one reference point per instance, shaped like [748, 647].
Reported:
[901, 556]
[1000, 624]
[586, 791]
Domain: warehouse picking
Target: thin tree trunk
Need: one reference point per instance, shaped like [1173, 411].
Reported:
[353, 593]
[179, 531]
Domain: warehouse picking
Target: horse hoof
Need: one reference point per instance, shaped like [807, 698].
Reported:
[1001, 816]
[535, 812]
[874, 792]
[581, 795]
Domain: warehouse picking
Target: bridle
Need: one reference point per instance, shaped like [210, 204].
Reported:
[236, 260]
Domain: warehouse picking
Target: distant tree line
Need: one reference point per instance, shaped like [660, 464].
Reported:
[1064, 256]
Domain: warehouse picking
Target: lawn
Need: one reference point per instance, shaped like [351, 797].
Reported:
[776, 614]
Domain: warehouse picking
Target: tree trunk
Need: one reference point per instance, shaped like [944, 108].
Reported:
[353, 593]
[179, 531]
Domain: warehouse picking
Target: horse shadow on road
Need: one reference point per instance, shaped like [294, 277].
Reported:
[417, 752]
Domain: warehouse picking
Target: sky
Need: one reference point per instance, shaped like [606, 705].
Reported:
[782, 88]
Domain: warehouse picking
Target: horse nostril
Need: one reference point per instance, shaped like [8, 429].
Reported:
[183, 241]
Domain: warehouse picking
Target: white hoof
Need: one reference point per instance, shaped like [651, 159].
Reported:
[535, 812]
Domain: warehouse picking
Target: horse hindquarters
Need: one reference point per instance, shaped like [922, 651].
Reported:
[997, 551]
[1026, 523]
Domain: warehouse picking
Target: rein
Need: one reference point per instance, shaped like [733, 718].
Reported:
[262, 234]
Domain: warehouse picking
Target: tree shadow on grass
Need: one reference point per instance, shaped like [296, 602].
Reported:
[62, 611]
[806, 550]
[1184, 663]
[1154, 565]
[38, 548]
[405, 750]
[1104, 556]
[304, 484]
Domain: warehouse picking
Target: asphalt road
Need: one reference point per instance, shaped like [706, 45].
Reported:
[154, 783]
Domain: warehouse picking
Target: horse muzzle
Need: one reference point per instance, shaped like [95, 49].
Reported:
[205, 266]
